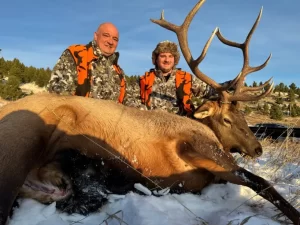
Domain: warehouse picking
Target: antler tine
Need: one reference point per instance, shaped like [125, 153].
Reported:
[249, 97]
[204, 51]
[245, 89]
[162, 15]
[238, 82]
[243, 46]
[181, 32]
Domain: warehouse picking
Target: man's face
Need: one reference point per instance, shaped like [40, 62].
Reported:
[107, 38]
[165, 62]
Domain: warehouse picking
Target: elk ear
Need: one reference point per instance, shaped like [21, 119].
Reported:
[236, 104]
[205, 110]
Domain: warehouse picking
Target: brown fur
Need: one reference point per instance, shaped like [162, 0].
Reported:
[160, 145]
[230, 126]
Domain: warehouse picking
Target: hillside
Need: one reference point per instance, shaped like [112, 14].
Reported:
[257, 117]
[252, 118]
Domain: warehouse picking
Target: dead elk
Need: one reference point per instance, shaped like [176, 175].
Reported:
[160, 145]
[222, 115]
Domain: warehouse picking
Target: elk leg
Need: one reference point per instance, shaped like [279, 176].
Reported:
[226, 169]
[20, 149]
[265, 189]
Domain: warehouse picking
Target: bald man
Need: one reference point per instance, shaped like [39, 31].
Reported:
[91, 70]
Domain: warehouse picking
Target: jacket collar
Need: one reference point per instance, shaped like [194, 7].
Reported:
[158, 73]
[97, 52]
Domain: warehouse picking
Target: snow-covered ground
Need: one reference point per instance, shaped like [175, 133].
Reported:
[219, 204]
[32, 88]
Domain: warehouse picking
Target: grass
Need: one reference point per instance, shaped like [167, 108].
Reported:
[280, 165]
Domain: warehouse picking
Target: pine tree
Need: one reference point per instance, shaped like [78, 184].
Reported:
[279, 100]
[293, 110]
[276, 112]
[291, 95]
[10, 90]
[265, 109]
[293, 86]
[281, 87]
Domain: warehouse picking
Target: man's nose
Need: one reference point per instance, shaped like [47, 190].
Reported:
[110, 41]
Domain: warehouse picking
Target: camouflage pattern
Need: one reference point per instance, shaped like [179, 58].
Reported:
[163, 95]
[132, 96]
[105, 80]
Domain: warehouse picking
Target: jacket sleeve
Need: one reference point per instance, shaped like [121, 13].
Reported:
[187, 96]
[142, 84]
[64, 75]
[132, 98]
[200, 89]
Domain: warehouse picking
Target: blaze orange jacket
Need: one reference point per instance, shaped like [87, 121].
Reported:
[183, 84]
[83, 55]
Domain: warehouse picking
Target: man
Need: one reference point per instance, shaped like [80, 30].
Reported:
[91, 70]
[167, 87]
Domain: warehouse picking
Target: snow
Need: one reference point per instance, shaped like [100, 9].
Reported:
[142, 189]
[218, 204]
[32, 88]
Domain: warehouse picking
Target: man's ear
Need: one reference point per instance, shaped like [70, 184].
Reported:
[205, 110]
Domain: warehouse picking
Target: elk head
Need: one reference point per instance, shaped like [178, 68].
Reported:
[222, 115]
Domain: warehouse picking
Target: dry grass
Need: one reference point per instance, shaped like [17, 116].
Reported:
[280, 165]
[283, 161]
[287, 151]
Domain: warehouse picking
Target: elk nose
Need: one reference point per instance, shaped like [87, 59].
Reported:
[258, 151]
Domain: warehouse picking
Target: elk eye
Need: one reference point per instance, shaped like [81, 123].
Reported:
[227, 121]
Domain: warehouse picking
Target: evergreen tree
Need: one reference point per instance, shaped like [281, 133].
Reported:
[279, 100]
[2, 65]
[265, 109]
[29, 74]
[281, 87]
[291, 94]
[41, 77]
[15, 71]
[293, 86]
[268, 86]
[293, 110]
[276, 112]
[10, 90]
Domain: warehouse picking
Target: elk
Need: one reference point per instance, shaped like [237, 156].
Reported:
[222, 115]
[153, 145]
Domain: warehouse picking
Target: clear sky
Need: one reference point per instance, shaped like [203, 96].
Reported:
[37, 32]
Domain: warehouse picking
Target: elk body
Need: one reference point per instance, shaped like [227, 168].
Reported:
[160, 145]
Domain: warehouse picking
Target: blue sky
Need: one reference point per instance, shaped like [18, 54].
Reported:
[37, 32]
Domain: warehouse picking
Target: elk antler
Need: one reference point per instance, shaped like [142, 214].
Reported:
[240, 90]
[239, 93]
